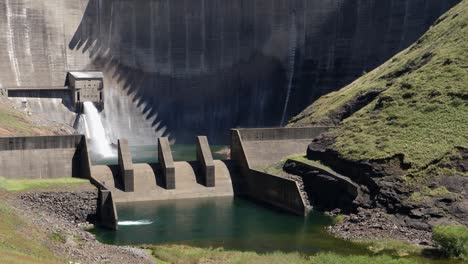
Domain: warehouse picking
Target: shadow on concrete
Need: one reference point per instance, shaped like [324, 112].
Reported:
[158, 174]
[200, 67]
[118, 183]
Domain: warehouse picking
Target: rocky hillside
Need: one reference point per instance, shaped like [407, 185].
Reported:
[402, 129]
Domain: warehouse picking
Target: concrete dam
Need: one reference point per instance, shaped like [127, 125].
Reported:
[181, 68]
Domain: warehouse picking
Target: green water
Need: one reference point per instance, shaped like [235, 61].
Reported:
[149, 154]
[231, 223]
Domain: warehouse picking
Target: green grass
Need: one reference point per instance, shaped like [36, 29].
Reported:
[338, 219]
[177, 254]
[452, 240]
[28, 184]
[19, 242]
[421, 110]
[16, 123]
[315, 163]
[426, 192]
[391, 247]
[277, 168]
[58, 237]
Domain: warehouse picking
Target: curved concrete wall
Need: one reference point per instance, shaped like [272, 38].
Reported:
[186, 67]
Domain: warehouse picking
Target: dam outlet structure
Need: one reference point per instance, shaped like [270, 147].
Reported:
[252, 150]
[94, 131]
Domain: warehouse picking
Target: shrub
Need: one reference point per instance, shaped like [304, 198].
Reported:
[453, 240]
[339, 218]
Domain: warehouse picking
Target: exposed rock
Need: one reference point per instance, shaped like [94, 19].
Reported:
[326, 189]
[75, 207]
[65, 214]
[377, 224]
[387, 188]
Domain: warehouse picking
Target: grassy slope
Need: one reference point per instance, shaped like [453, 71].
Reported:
[16, 123]
[422, 108]
[185, 254]
[20, 242]
[28, 184]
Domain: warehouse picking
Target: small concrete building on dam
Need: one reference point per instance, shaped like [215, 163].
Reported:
[86, 86]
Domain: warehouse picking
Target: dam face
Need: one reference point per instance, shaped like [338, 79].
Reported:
[185, 67]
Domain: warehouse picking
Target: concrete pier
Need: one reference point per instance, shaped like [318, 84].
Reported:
[167, 162]
[126, 166]
[167, 179]
[205, 158]
[106, 210]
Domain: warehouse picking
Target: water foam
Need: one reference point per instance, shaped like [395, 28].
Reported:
[137, 222]
[95, 131]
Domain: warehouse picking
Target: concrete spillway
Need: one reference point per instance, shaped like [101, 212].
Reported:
[185, 67]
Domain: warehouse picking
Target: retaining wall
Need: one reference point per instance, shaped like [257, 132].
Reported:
[250, 145]
[280, 133]
[106, 210]
[39, 92]
[41, 157]
[277, 191]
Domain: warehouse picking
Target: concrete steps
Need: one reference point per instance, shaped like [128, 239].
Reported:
[302, 192]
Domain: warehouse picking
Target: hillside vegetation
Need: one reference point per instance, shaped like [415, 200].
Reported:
[16, 122]
[178, 254]
[401, 131]
[20, 242]
[416, 104]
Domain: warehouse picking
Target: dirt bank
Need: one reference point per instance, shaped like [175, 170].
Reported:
[64, 216]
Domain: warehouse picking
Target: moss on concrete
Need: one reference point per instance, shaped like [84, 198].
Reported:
[421, 109]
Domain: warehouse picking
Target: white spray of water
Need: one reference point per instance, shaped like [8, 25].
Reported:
[138, 222]
[95, 131]
[292, 61]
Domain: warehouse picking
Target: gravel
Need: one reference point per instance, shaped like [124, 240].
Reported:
[377, 224]
[67, 213]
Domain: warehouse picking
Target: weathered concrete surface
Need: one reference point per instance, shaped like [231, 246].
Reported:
[254, 149]
[126, 171]
[156, 181]
[106, 210]
[205, 158]
[49, 105]
[40, 157]
[265, 146]
[235, 55]
[276, 191]
[167, 163]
